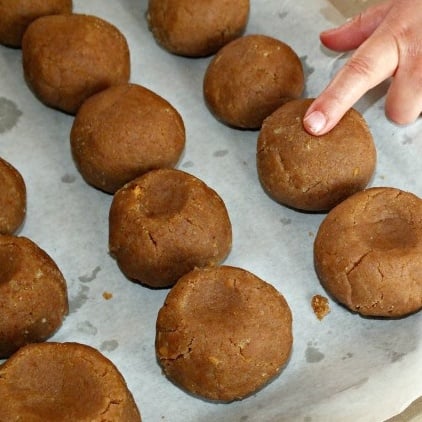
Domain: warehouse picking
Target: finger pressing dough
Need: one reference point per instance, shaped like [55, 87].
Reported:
[64, 382]
[164, 224]
[68, 58]
[309, 172]
[368, 252]
[223, 333]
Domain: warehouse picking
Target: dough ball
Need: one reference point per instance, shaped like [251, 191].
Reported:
[16, 15]
[33, 294]
[164, 224]
[64, 382]
[223, 333]
[68, 58]
[12, 198]
[196, 28]
[308, 172]
[123, 132]
[251, 77]
[368, 252]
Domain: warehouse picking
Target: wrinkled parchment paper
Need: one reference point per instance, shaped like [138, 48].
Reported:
[343, 368]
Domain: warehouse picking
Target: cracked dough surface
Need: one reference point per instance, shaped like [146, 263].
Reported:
[164, 224]
[33, 294]
[68, 58]
[368, 252]
[223, 333]
[308, 172]
[64, 382]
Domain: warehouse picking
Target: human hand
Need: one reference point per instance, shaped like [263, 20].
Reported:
[388, 42]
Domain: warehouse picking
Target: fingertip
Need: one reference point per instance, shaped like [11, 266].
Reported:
[315, 122]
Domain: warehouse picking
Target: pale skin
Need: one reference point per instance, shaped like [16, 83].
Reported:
[387, 39]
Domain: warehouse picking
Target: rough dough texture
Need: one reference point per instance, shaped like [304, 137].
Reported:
[16, 15]
[165, 223]
[12, 198]
[196, 28]
[251, 77]
[123, 132]
[64, 382]
[368, 252]
[308, 172]
[223, 333]
[33, 294]
[68, 58]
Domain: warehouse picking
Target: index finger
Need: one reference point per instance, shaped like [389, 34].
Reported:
[373, 62]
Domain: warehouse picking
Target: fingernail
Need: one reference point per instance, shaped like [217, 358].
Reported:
[315, 122]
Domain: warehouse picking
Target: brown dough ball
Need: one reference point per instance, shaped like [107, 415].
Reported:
[64, 382]
[196, 28]
[68, 58]
[251, 77]
[33, 294]
[313, 173]
[368, 252]
[16, 15]
[165, 223]
[223, 333]
[12, 198]
[123, 132]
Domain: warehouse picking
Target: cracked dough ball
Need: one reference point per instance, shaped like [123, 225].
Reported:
[368, 252]
[68, 58]
[251, 77]
[164, 224]
[64, 382]
[123, 132]
[308, 172]
[33, 294]
[12, 198]
[16, 15]
[223, 333]
[196, 28]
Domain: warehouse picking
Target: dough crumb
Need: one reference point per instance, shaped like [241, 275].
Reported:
[320, 306]
[107, 295]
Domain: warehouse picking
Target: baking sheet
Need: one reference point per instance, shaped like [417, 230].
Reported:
[343, 368]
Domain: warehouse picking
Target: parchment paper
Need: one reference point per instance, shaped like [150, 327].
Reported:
[343, 368]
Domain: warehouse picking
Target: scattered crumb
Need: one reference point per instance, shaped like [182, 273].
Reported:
[320, 306]
[310, 234]
[107, 295]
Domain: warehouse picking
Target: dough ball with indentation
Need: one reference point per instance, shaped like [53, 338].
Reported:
[123, 132]
[33, 294]
[16, 15]
[368, 252]
[308, 172]
[64, 382]
[68, 58]
[196, 28]
[223, 333]
[12, 198]
[251, 77]
[164, 224]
